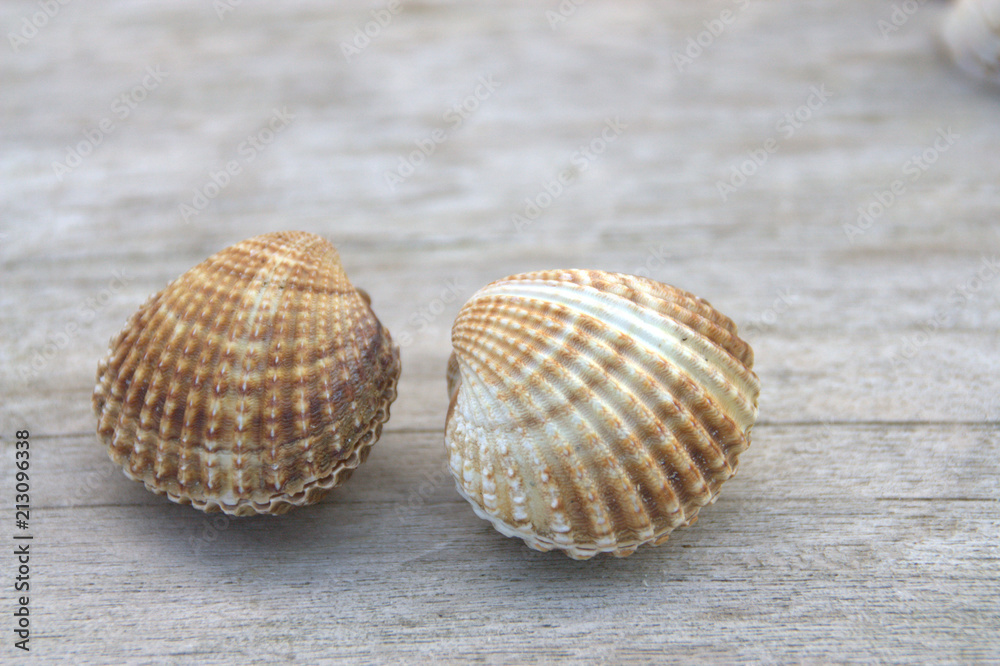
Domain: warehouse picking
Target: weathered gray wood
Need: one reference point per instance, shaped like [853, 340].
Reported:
[814, 546]
[864, 524]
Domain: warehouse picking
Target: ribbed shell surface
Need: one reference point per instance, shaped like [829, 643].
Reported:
[972, 32]
[255, 382]
[594, 412]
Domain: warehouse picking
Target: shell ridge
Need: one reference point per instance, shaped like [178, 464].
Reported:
[275, 390]
[491, 357]
[324, 438]
[264, 307]
[648, 293]
[139, 416]
[121, 349]
[667, 396]
[339, 470]
[625, 381]
[216, 297]
[706, 322]
[205, 282]
[717, 406]
[133, 361]
[469, 456]
[485, 404]
[652, 397]
[630, 485]
[302, 327]
[595, 303]
[587, 485]
[372, 381]
[670, 396]
[167, 424]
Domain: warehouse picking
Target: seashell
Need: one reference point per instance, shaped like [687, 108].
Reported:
[594, 412]
[972, 34]
[254, 382]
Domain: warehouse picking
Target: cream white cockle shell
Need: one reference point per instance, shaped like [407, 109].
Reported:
[594, 412]
[972, 33]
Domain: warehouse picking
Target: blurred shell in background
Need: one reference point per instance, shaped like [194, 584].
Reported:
[254, 382]
[594, 412]
[972, 33]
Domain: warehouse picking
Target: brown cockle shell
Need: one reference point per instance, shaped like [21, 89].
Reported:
[254, 382]
[592, 411]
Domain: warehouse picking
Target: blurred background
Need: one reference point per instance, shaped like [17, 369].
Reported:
[745, 151]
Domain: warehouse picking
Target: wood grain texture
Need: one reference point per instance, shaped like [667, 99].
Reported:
[864, 523]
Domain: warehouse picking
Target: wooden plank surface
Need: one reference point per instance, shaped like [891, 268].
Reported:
[864, 524]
